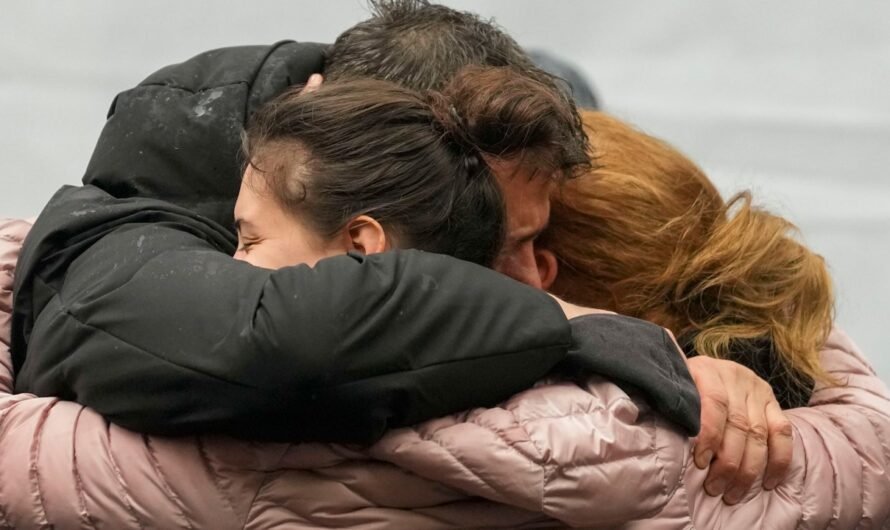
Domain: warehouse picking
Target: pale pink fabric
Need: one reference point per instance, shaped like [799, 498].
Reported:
[556, 454]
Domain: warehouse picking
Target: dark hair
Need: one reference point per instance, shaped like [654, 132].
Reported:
[422, 46]
[415, 162]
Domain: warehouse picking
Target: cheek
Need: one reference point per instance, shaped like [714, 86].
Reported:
[311, 258]
[295, 247]
[303, 251]
[270, 255]
[258, 256]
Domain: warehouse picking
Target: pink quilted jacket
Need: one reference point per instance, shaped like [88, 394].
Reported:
[555, 455]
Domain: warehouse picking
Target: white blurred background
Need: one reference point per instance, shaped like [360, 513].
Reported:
[788, 98]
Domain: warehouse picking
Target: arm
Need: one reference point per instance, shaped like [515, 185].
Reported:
[156, 469]
[586, 455]
[167, 482]
[741, 422]
[838, 473]
[159, 331]
[594, 453]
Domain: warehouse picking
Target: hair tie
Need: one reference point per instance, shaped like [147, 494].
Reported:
[455, 128]
[472, 154]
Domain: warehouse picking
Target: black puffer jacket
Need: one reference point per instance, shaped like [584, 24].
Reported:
[127, 299]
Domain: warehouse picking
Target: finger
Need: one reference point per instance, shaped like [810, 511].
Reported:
[714, 409]
[313, 83]
[753, 463]
[724, 468]
[781, 445]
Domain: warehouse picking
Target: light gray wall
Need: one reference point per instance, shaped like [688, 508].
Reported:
[789, 98]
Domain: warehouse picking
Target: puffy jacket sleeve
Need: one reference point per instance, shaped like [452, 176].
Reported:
[840, 473]
[586, 455]
[594, 456]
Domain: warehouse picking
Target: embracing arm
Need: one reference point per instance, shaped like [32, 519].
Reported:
[594, 457]
[159, 331]
[589, 453]
[606, 435]
[588, 456]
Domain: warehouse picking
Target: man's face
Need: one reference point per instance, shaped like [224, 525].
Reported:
[527, 200]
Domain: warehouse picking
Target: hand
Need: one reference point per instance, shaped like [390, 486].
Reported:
[743, 425]
[313, 83]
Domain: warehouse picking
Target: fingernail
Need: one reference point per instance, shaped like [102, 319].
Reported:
[703, 460]
[715, 487]
[770, 483]
[732, 496]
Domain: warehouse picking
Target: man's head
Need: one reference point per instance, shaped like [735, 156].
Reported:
[423, 46]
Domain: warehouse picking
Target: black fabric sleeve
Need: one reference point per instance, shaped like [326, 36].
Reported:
[638, 356]
[161, 332]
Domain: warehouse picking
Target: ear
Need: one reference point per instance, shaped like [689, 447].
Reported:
[547, 267]
[365, 235]
[313, 83]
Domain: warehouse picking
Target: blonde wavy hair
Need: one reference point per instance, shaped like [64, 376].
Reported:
[646, 234]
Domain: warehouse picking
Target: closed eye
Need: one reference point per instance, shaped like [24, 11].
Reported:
[244, 246]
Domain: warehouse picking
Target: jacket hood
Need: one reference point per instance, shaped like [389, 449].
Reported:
[197, 107]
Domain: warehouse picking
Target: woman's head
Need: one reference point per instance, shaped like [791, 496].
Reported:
[647, 234]
[368, 165]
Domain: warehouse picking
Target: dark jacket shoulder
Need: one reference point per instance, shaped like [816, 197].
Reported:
[176, 136]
